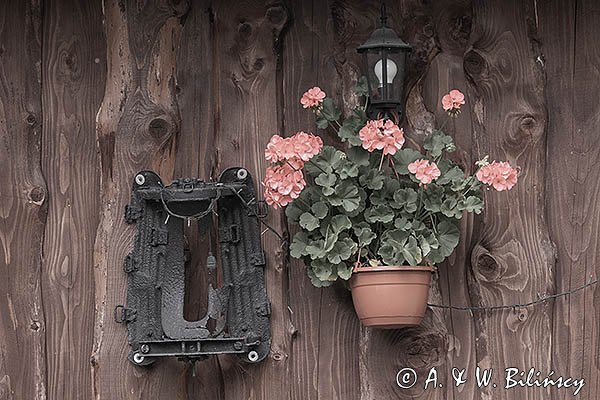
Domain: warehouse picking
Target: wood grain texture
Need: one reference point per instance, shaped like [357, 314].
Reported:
[248, 36]
[195, 157]
[513, 258]
[452, 24]
[23, 204]
[74, 69]
[571, 62]
[191, 87]
[324, 360]
[137, 127]
[381, 354]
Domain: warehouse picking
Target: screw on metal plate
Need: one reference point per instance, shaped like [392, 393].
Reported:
[253, 356]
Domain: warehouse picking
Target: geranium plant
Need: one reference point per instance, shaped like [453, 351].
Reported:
[375, 202]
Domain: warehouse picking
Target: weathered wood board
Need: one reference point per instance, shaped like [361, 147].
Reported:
[92, 92]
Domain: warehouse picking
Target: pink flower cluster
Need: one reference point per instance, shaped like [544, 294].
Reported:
[296, 149]
[284, 180]
[425, 171]
[283, 183]
[381, 135]
[312, 97]
[500, 175]
[452, 101]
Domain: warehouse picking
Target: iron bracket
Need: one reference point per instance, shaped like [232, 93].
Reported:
[155, 270]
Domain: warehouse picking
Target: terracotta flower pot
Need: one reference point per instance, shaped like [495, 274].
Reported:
[390, 297]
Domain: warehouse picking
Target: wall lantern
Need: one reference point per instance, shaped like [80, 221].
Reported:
[238, 315]
[385, 56]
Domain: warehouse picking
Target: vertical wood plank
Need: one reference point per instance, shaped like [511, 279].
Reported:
[195, 157]
[569, 33]
[324, 348]
[382, 354]
[452, 24]
[248, 38]
[74, 68]
[513, 259]
[137, 127]
[23, 204]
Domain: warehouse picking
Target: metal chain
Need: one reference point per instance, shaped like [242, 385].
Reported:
[541, 299]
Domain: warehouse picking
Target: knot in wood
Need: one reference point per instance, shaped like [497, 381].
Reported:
[159, 128]
[426, 350]
[474, 64]
[531, 127]
[486, 266]
[245, 30]
[179, 7]
[259, 63]
[37, 195]
[31, 120]
[277, 15]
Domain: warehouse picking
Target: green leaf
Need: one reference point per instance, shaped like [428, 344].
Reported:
[326, 180]
[437, 142]
[432, 199]
[294, 210]
[373, 179]
[402, 223]
[379, 213]
[454, 175]
[320, 209]
[322, 122]
[339, 223]
[315, 280]
[316, 249]
[344, 271]
[299, 244]
[412, 252]
[361, 204]
[346, 195]
[392, 244]
[447, 236]
[349, 133]
[359, 156]
[361, 88]
[342, 250]
[325, 162]
[405, 199]
[347, 169]
[309, 221]
[471, 204]
[323, 273]
[364, 234]
[329, 111]
[424, 245]
[403, 158]
[449, 208]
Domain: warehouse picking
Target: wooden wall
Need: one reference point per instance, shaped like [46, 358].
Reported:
[93, 91]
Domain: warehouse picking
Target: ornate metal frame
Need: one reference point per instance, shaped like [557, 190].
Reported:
[156, 270]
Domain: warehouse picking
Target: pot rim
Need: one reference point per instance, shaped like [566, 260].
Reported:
[382, 268]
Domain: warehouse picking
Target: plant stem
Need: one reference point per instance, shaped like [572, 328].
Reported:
[392, 166]
[315, 164]
[381, 162]
[303, 202]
